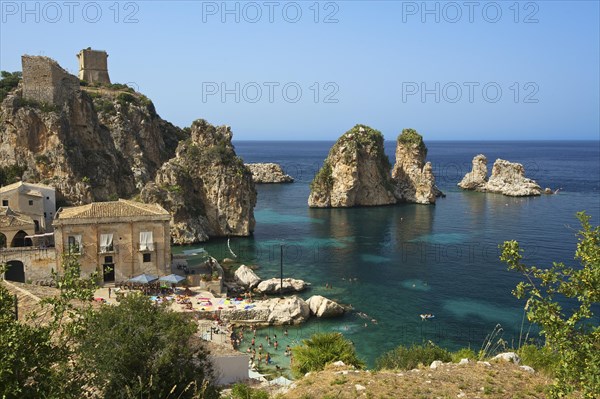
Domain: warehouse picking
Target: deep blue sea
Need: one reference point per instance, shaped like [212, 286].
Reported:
[396, 262]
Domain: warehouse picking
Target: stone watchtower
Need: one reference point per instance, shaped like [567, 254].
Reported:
[93, 66]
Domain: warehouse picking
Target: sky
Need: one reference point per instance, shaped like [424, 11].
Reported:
[307, 70]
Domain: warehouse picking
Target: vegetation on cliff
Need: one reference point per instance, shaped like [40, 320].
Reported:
[411, 138]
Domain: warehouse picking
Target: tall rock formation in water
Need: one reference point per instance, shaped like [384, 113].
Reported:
[206, 187]
[507, 178]
[355, 173]
[413, 177]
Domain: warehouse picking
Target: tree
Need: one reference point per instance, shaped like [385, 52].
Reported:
[321, 349]
[8, 81]
[138, 349]
[560, 300]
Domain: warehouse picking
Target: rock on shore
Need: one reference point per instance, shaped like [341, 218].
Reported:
[274, 312]
[246, 277]
[268, 173]
[272, 286]
[324, 307]
[507, 178]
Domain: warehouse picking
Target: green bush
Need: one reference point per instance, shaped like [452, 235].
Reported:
[464, 353]
[408, 358]
[542, 359]
[241, 391]
[126, 98]
[11, 174]
[412, 137]
[320, 350]
[8, 81]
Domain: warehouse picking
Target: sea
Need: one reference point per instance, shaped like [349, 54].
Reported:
[394, 263]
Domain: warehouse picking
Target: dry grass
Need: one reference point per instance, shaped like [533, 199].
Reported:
[500, 380]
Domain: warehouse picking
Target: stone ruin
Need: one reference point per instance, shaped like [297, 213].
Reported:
[45, 81]
[93, 66]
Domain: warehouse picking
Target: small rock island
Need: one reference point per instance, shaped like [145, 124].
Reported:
[357, 172]
[268, 173]
[507, 178]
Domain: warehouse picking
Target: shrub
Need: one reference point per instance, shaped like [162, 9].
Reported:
[241, 391]
[540, 358]
[408, 358]
[320, 350]
[11, 174]
[8, 82]
[464, 353]
[126, 98]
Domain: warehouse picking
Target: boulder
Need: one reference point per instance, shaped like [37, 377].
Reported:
[508, 357]
[435, 364]
[268, 173]
[413, 177]
[274, 311]
[272, 286]
[246, 277]
[477, 177]
[324, 307]
[527, 369]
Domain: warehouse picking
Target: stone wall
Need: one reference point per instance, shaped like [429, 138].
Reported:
[45, 81]
[38, 263]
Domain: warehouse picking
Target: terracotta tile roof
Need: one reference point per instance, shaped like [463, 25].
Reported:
[111, 209]
[10, 218]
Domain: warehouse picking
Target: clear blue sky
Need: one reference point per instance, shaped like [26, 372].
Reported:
[374, 58]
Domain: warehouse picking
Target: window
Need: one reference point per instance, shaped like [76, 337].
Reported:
[30, 202]
[106, 243]
[75, 244]
[108, 259]
[147, 257]
[47, 198]
[146, 241]
[4, 202]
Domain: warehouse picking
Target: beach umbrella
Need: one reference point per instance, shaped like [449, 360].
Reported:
[143, 279]
[172, 279]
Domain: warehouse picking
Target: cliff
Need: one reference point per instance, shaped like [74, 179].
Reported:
[268, 173]
[413, 177]
[507, 178]
[107, 142]
[206, 187]
[355, 173]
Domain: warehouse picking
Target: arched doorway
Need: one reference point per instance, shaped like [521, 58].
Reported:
[2, 241]
[19, 240]
[15, 271]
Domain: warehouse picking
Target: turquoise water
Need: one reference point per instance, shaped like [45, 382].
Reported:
[396, 262]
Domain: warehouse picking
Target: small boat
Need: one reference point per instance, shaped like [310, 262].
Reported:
[427, 316]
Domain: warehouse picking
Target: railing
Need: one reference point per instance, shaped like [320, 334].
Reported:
[110, 249]
[151, 247]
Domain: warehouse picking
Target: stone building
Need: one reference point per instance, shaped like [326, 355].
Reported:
[93, 66]
[36, 201]
[45, 81]
[118, 239]
[14, 227]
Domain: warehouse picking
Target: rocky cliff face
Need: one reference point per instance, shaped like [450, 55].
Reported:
[94, 147]
[355, 173]
[206, 187]
[268, 173]
[413, 178]
[507, 178]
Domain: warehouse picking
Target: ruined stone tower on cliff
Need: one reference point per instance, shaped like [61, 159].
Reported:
[93, 66]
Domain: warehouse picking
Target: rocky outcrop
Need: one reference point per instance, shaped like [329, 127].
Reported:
[324, 307]
[275, 311]
[477, 177]
[206, 187]
[272, 286]
[88, 152]
[268, 173]
[246, 277]
[413, 177]
[507, 178]
[355, 173]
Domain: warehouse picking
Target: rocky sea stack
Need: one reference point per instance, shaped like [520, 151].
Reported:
[507, 178]
[413, 177]
[355, 173]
